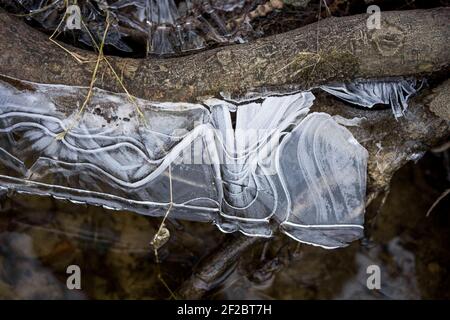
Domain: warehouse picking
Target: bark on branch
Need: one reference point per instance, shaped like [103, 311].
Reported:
[408, 43]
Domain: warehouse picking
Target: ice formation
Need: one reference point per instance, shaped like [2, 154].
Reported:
[368, 93]
[168, 26]
[246, 168]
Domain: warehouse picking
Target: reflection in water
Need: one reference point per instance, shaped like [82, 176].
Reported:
[112, 249]
[40, 237]
[400, 284]
[315, 273]
[25, 275]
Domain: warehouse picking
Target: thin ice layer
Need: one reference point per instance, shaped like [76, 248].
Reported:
[323, 169]
[247, 169]
[237, 176]
[369, 93]
[109, 157]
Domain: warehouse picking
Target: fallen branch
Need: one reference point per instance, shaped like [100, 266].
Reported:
[408, 43]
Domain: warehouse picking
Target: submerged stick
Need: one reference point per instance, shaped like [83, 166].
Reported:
[215, 266]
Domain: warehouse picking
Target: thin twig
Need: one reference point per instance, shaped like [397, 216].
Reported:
[91, 85]
[162, 236]
[442, 196]
[80, 59]
[119, 79]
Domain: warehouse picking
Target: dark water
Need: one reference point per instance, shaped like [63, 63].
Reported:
[41, 237]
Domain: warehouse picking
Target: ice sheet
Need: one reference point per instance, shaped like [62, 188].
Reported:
[368, 93]
[246, 168]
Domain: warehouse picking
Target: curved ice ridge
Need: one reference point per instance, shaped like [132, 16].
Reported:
[368, 93]
[275, 164]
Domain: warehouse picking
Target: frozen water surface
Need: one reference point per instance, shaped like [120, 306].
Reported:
[369, 93]
[247, 168]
